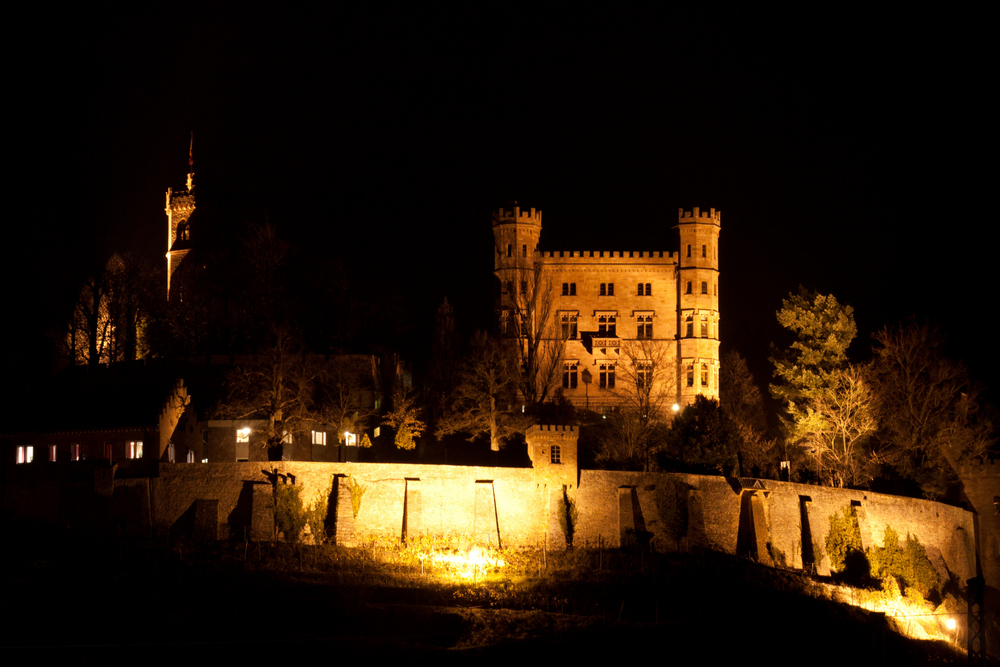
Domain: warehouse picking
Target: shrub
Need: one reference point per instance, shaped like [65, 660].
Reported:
[908, 565]
[357, 490]
[289, 514]
[844, 537]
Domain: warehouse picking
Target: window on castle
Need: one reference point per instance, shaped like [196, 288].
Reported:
[604, 289]
[606, 376]
[565, 291]
[644, 326]
[504, 321]
[510, 287]
[704, 375]
[690, 376]
[555, 454]
[607, 325]
[704, 251]
[25, 454]
[74, 452]
[190, 456]
[510, 249]
[524, 287]
[644, 375]
[569, 375]
[572, 289]
[172, 453]
[688, 290]
[704, 287]
[704, 328]
[640, 293]
[689, 321]
[108, 451]
[524, 251]
[568, 323]
[133, 449]
[689, 250]
[319, 437]
[649, 289]
[611, 289]
[52, 453]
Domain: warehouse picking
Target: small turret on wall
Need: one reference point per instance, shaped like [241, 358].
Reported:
[553, 453]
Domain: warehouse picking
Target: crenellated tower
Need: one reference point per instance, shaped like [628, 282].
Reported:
[515, 241]
[698, 304]
[180, 207]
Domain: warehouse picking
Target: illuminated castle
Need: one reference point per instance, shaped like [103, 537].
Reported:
[612, 327]
[180, 207]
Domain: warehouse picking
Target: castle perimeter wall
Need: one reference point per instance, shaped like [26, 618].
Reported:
[613, 508]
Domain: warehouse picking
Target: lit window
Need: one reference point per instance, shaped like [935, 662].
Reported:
[644, 326]
[134, 449]
[243, 435]
[689, 321]
[286, 438]
[25, 454]
[704, 328]
[555, 454]
[644, 375]
[74, 452]
[351, 439]
[319, 437]
[171, 453]
[606, 377]
[190, 456]
[690, 376]
[568, 323]
[52, 453]
[704, 375]
[569, 375]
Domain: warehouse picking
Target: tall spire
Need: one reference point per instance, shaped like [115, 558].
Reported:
[190, 181]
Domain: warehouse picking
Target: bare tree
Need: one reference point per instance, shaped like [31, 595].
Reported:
[529, 321]
[743, 403]
[488, 381]
[276, 386]
[645, 385]
[342, 391]
[931, 413]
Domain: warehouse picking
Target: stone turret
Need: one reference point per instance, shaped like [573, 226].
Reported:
[698, 304]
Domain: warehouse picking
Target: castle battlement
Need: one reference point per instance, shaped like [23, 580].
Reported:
[610, 256]
[515, 214]
[551, 427]
[696, 215]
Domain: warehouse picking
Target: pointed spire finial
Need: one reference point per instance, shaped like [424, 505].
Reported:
[190, 181]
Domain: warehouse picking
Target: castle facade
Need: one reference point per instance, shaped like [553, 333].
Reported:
[612, 328]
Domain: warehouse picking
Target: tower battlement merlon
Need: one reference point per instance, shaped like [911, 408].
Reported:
[695, 215]
[514, 214]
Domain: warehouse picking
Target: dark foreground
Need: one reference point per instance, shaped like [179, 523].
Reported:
[115, 603]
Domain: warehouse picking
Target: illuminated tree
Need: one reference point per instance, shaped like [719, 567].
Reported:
[836, 427]
[404, 419]
[487, 386]
[109, 317]
[340, 390]
[809, 368]
[931, 415]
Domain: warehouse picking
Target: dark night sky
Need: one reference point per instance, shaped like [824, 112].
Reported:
[845, 153]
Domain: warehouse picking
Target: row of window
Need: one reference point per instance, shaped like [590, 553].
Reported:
[510, 250]
[709, 329]
[607, 325]
[26, 453]
[643, 376]
[608, 289]
[704, 251]
[704, 288]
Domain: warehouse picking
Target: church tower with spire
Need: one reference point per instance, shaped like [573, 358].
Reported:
[179, 209]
